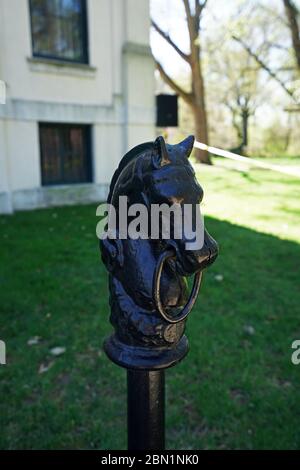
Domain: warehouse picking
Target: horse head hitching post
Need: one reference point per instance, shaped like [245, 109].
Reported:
[149, 299]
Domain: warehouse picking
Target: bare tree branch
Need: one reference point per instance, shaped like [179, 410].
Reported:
[175, 87]
[264, 66]
[275, 46]
[184, 56]
[187, 8]
[198, 8]
[190, 22]
[292, 14]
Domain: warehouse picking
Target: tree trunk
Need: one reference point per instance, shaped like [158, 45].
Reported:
[201, 133]
[199, 106]
[292, 16]
[196, 98]
[245, 118]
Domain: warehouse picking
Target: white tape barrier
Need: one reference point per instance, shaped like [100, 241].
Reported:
[250, 161]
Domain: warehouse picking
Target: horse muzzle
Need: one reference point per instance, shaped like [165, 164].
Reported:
[193, 262]
[189, 262]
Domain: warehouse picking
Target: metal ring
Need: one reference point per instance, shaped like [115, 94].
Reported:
[156, 290]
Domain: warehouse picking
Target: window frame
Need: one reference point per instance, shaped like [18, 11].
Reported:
[87, 149]
[84, 38]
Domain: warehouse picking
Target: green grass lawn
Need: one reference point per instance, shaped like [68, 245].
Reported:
[237, 388]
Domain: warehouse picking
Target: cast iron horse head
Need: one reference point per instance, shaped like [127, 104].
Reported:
[147, 277]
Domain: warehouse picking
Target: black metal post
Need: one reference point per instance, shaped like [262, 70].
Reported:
[146, 409]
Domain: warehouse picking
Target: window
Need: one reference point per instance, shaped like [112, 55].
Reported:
[59, 29]
[65, 153]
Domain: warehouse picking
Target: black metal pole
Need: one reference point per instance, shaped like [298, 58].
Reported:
[146, 409]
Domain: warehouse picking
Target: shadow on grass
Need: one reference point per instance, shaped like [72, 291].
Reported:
[236, 389]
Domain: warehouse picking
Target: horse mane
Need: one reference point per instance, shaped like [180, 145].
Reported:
[128, 157]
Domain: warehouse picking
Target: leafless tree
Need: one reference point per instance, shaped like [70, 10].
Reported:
[195, 97]
[292, 24]
[235, 83]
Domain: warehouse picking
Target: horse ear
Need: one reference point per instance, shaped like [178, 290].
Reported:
[160, 157]
[187, 145]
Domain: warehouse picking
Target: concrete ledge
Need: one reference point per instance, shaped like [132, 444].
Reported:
[43, 111]
[139, 49]
[60, 67]
[5, 203]
[51, 196]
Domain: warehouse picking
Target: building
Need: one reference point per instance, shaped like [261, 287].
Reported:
[80, 92]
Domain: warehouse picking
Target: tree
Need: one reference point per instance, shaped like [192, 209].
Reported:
[262, 53]
[195, 97]
[235, 82]
[292, 14]
[241, 96]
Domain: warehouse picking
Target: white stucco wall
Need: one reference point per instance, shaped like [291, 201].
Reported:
[139, 73]
[22, 154]
[137, 21]
[41, 83]
[115, 94]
